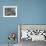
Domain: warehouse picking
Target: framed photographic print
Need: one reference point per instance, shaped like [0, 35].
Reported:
[9, 11]
[33, 32]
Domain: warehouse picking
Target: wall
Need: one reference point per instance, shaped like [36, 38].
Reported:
[29, 12]
[7, 25]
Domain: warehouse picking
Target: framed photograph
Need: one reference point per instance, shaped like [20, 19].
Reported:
[9, 11]
[33, 32]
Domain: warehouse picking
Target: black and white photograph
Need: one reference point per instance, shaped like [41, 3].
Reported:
[29, 34]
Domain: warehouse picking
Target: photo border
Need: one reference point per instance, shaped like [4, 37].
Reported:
[9, 7]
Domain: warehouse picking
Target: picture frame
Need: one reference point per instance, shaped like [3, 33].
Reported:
[39, 28]
[9, 11]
